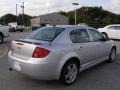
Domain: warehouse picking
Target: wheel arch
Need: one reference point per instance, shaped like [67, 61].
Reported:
[74, 58]
[1, 34]
[104, 33]
[114, 47]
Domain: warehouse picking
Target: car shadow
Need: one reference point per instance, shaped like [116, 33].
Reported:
[86, 76]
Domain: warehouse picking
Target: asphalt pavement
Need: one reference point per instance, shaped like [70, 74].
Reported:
[105, 76]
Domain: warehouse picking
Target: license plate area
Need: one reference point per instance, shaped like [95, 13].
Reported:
[17, 66]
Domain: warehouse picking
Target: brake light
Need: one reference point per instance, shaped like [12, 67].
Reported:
[40, 52]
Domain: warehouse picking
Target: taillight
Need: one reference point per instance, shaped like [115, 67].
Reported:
[40, 52]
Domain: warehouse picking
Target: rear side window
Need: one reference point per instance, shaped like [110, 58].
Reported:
[79, 36]
[46, 33]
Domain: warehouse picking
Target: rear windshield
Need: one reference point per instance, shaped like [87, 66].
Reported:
[46, 33]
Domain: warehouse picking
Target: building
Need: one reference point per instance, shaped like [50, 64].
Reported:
[53, 19]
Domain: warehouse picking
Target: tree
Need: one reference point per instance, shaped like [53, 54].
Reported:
[62, 13]
[8, 18]
[94, 16]
[12, 18]
[26, 19]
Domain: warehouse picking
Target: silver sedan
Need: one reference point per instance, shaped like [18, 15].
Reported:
[60, 52]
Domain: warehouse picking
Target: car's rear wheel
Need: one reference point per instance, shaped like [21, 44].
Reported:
[1, 38]
[13, 30]
[112, 55]
[69, 73]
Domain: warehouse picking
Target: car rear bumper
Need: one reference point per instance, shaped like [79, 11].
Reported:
[41, 71]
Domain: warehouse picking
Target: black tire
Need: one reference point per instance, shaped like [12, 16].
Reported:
[66, 79]
[10, 30]
[21, 30]
[13, 29]
[1, 39]
[112, 56]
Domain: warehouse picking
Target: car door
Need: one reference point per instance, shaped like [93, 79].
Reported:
[112, 32]
[117, 32]
[83, 46]
[101, 46]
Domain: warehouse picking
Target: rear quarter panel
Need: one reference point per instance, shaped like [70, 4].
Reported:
[64, 50]
[64, 53]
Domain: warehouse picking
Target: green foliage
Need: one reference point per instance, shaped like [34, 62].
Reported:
[62, 13]
[93, 16]
[7, 18]
[25, 19]
[12, 18]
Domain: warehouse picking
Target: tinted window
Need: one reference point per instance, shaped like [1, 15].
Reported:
[46, 34]
[118, 27]
[96, 35]
[112, 27]
[79, 36]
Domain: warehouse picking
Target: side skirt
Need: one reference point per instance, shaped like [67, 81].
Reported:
[93, 63]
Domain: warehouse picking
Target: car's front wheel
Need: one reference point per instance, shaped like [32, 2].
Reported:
[69, 73]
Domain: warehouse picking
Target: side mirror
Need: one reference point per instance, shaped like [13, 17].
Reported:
[106, 38]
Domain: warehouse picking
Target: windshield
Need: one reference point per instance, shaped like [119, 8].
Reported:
[46, 34]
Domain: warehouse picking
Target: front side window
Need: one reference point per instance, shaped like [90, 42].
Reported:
[46, 34]
[118, 27]
[96, 35]
[79, 36]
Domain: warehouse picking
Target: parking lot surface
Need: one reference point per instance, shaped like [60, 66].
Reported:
[105, 76]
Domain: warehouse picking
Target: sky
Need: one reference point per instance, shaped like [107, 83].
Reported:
[38, 7]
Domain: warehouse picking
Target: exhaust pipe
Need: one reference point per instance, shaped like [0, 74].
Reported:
[10, 69]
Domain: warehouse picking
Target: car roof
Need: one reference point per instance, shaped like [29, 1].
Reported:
[114, 25]
[69, 27]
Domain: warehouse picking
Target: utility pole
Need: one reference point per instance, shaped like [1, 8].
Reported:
[16, 12]
[83, 11]
[75, 4]
[22, 12]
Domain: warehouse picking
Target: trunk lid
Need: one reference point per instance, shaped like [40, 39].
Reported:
[23, 49]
